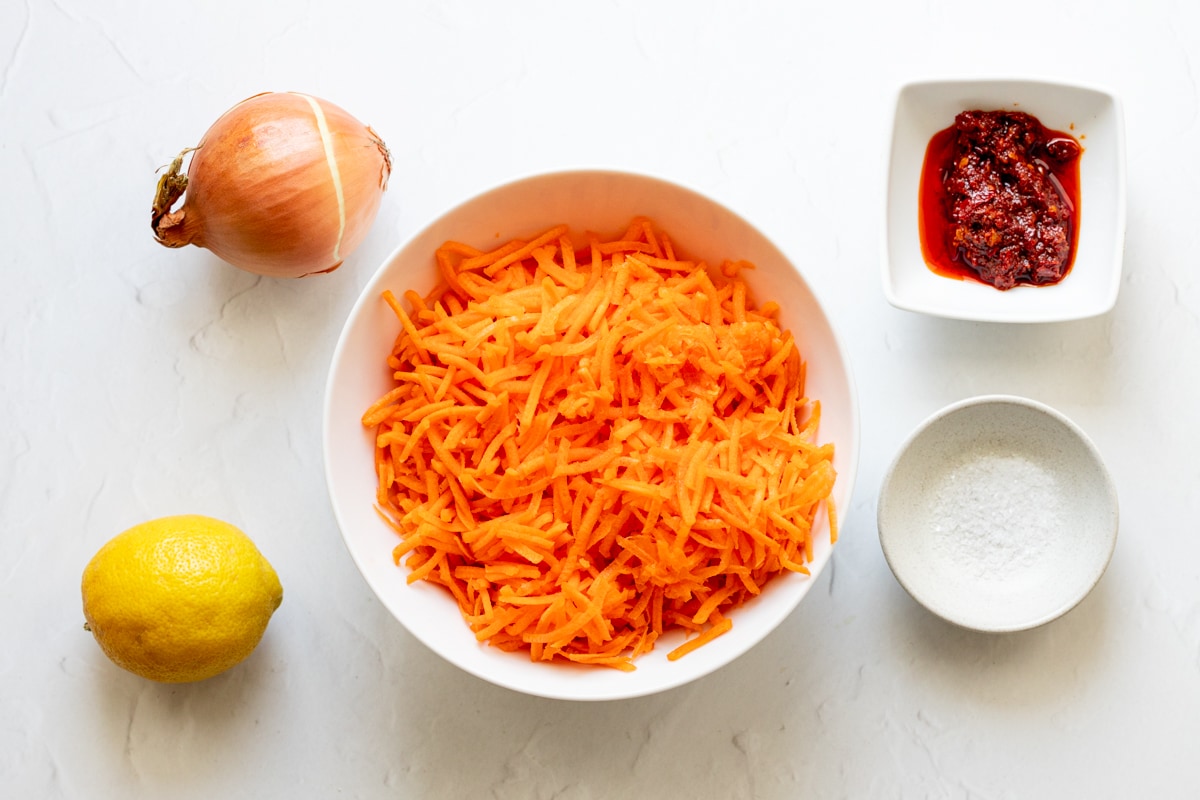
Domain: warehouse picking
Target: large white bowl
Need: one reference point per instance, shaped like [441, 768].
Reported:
[603, 201]
[1093, 116]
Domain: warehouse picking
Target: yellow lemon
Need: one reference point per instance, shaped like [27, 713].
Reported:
[179, 598]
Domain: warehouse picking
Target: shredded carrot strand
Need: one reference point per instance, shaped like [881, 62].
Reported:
[591, 446]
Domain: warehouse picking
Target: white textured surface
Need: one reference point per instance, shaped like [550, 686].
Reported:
[140, 381]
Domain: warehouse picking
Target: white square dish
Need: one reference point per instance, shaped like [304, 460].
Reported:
[1093, 116]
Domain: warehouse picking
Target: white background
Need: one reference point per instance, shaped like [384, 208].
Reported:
[139, 381]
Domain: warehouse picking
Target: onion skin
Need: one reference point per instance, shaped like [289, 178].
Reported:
[261, 191]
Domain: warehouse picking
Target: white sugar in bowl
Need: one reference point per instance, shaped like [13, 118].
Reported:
[998, 514]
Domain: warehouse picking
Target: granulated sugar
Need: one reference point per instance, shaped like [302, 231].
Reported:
[994, 514]
[998, 515]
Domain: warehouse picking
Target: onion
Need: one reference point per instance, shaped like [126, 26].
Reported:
[283, 184]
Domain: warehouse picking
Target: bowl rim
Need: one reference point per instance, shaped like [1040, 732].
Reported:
[1100, 473]
[1114, 261]
[847, 474]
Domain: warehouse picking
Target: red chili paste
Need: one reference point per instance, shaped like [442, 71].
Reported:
[999, 200]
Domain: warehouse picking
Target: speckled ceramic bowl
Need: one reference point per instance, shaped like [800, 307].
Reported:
[599, 200]
[998, 514]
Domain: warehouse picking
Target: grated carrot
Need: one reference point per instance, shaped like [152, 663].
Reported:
[588, 447]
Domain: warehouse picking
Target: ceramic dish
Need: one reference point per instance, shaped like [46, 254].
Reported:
[1090, 288]
[604, 201]
[998, 514]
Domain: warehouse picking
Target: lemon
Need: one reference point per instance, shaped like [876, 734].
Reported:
[180, 598]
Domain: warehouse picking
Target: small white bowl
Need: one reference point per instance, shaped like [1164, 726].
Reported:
[1094, 117]
[603, 201]
[998, 514]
